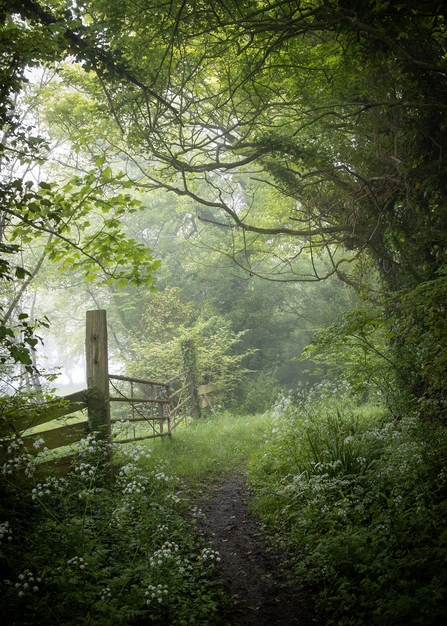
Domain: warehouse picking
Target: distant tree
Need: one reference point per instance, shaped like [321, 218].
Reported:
[170, 325]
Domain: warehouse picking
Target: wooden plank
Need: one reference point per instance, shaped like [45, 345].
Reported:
[137, 419]
[205, 400]
[137, 380]
[175, 393]
[73, 407]
[209, 389]
[78, 396]
[50, 412]
[176, 408]
[179, 421]
[141, 438]
[206, 404]
[63, 464]
[154, 401]
[57, 437]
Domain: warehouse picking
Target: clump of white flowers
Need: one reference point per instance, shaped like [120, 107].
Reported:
[161, 476]
[105, 594]
[5, 531]
[27, 583]
[167, 551]
[76, 561]
[48, 488]
[156, 593]
[209, 556]
[85, 470]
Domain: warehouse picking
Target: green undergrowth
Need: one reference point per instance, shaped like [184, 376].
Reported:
[87, 550]
[355, 498]
[359, 502]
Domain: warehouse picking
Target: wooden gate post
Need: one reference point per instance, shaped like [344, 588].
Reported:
[97, 362]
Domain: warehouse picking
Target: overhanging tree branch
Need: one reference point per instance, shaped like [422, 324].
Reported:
[29, 9]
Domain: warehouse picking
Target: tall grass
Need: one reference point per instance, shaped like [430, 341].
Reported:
[209, 447]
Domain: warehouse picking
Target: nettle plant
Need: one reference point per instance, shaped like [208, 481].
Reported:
[88, 549]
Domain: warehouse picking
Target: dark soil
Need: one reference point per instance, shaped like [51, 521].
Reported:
[252, 572]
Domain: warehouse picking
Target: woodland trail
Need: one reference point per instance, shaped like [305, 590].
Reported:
[250, 570]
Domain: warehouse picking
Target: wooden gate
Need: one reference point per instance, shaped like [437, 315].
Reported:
[132, 408]
[120, 409]
[137, 403]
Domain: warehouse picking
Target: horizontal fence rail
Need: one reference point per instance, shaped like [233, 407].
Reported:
[158, 408]
[51, 439]
[41, 414]
[162, 407]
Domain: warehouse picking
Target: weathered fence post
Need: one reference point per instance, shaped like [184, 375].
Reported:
[97, 362]
[160, 415]
[189, 353]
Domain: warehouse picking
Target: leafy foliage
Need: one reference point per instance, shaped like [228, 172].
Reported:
[75, 221]
[359, 503]
[82, 550]
[157, 358]
[418, 341]
[397, 351]
[355, 348]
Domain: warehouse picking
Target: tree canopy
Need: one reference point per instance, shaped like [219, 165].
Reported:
[336, 109]
[313, 132]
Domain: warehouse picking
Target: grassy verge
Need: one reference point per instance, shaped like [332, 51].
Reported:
[209, 447]
[83, 550]
[358, 501]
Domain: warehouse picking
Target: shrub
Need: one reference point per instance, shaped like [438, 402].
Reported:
[259, 392]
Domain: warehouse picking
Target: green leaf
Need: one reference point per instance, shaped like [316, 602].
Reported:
[21, 272]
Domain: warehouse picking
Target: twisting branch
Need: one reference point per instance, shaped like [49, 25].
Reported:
[30, 9]
[26, 283]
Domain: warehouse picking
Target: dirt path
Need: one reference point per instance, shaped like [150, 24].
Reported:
[249, 568]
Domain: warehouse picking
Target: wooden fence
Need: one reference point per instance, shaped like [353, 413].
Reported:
[115, 405]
